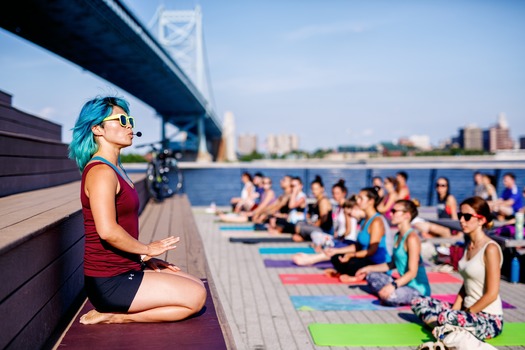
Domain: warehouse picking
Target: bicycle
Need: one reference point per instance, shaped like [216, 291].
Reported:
[163, 175]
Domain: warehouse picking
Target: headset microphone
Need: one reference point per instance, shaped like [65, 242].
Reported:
[138, 134]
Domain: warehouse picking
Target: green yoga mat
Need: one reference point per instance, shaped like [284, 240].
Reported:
[382, 334]
[400, 334]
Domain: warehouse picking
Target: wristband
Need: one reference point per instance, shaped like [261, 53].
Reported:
[394, 283]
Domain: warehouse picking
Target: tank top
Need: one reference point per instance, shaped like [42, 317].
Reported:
[444, 211]
[400, 256]
[100, 258]
[327, 225]
[339, 220]
[363, 240]
[473, 272]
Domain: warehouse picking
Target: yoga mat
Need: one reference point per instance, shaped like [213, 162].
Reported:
[337, 303]
[314, 278]
[237, 228]
[286, 250]
[399, 334]
[202, 331]
[382, 334]
[513, 335]
[354, 302]
[253, 240]
[290, 263]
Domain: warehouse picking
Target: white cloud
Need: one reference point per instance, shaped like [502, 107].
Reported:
[47, 113]
[325, 29]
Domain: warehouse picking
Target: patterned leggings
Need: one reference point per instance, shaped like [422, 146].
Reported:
[483, 325]
[401, 296]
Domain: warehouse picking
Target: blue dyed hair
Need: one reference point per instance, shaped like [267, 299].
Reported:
[83, 146]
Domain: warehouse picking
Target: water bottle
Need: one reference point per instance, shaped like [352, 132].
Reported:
[519, 226]
[515, 270]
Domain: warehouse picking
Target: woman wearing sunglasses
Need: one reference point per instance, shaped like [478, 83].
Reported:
[406, 259]
[123, 280]
[446, 209]
[478, 305]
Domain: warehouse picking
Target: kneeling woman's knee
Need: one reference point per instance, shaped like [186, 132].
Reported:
[198, 298]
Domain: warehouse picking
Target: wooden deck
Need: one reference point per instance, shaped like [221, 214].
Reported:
[257, 305]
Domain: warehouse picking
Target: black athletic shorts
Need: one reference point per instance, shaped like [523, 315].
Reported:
[113, 294]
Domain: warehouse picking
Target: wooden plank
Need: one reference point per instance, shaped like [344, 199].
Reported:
[25, 302]
[40, 251]
[36, 334]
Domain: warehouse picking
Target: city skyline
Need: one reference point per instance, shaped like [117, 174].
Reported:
[333, 73]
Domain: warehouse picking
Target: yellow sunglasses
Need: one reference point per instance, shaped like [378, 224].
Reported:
[122, 118]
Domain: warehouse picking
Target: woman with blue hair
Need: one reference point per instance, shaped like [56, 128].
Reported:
[123, 280]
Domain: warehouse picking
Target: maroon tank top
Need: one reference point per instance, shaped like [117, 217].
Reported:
[100, 258]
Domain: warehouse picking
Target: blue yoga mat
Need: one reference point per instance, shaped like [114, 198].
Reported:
[286, 250]
[335, 302]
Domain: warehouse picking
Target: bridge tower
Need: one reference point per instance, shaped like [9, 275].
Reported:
[180, 33]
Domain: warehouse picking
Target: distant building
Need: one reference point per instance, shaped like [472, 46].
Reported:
[522, 142]
[420, 141]
[498, 137]
[471, 138]
[282, 144]
[246, 144]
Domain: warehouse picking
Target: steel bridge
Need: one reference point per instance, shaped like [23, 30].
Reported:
[104, 37]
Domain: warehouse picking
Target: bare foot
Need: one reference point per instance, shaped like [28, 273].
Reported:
[94, 317]
[303, 259]
[350, 279]
[331, 273]
[297, 238]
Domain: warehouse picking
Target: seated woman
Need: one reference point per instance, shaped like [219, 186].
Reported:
[391, 196]
[478, 304]
[406, 258]
[279, 207]
[267, 199]
[446, 208]
[353, 215]
[248, 195]
[320, 215]
[341, 226]
[296, 206]
[371, 247]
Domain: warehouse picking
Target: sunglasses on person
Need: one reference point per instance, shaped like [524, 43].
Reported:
[441, 185]
[469, 216]
[122, 118]
[394, 211]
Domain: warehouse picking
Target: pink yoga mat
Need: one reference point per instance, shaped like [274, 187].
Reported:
[315, 278]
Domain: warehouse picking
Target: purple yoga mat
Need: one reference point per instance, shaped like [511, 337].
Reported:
[290, 263]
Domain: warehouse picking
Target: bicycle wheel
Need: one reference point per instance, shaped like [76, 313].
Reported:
[152, 182]
[176, 176]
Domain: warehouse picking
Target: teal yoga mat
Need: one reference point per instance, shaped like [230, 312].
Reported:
[236, 228]
[399, 334]
[286, 250]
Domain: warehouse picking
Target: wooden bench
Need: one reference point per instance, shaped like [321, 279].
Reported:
[41, 254]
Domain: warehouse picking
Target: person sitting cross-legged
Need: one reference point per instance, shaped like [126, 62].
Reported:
[406, 258]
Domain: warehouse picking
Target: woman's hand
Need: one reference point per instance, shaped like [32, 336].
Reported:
[345, 258]
[386, 291]
[158, 264]
[159, 247]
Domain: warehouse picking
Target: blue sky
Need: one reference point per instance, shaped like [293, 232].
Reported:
[333, 72]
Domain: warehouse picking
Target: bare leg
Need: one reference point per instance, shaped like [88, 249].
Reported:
[235, 218]
[303, 259]
[162, 297]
